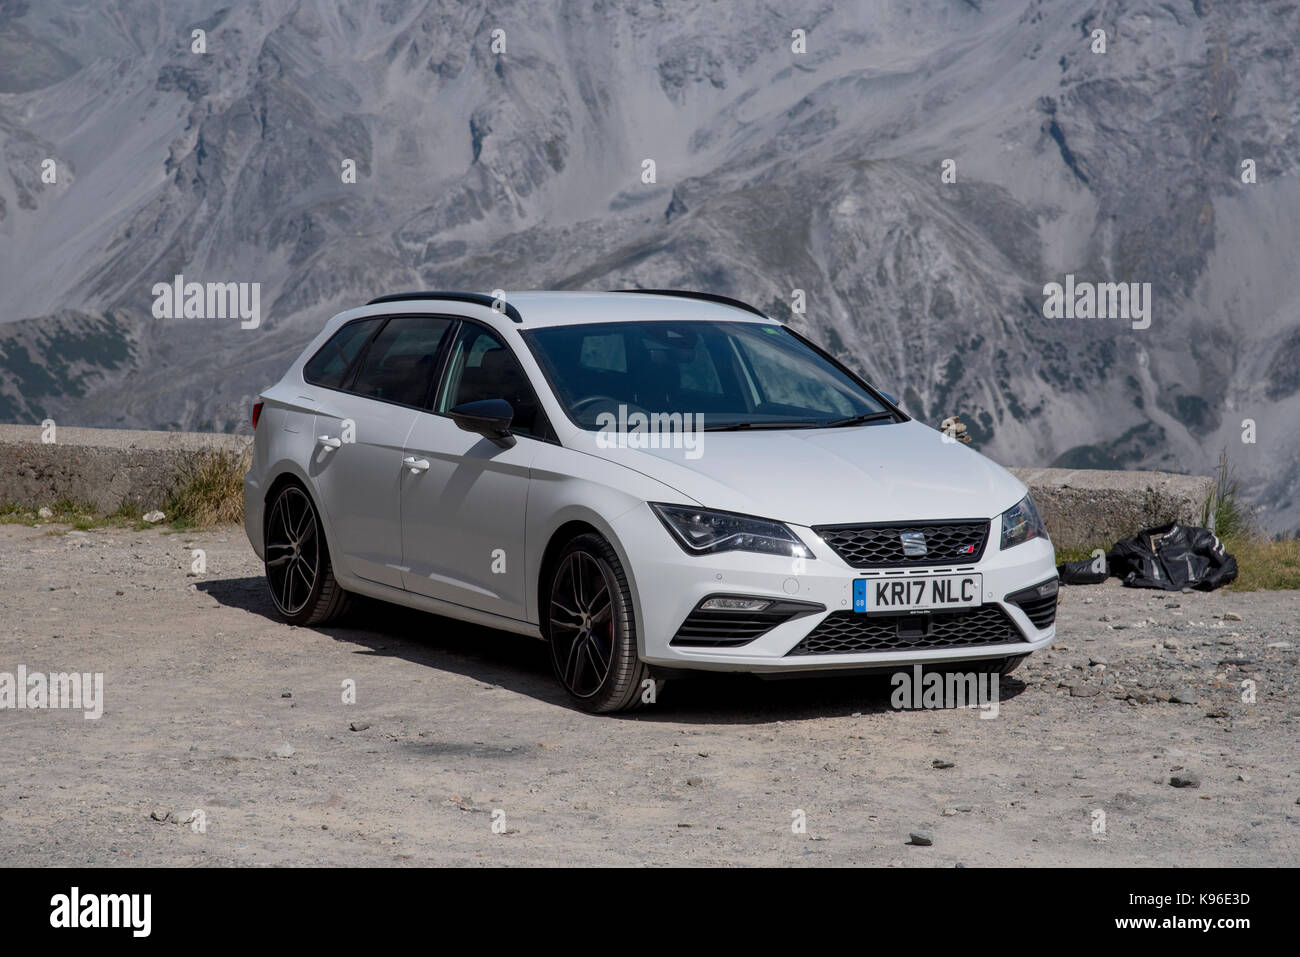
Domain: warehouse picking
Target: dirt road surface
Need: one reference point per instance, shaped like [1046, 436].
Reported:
[232, 729]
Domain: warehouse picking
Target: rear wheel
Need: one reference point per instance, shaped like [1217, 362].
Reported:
[591, 629]
[298, 569]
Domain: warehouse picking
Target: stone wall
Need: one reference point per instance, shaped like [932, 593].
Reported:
[104, 467]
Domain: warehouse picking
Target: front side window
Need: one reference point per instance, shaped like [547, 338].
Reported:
[400, 363]
[330, 364]
[733, 374]
[481, 366]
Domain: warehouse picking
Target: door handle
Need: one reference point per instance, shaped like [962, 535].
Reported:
[415, 465]
[329, 443]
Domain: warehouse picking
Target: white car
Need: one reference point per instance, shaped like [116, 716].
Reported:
[651, 481]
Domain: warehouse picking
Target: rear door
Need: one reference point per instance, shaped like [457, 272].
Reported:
[463, 511]
[361, 429]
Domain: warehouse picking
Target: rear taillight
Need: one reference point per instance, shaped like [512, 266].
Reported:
[257, 413]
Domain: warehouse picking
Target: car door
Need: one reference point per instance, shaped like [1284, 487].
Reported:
[361, 432]
[463, 511]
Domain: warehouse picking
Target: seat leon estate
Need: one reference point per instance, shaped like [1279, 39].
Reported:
[649, 481]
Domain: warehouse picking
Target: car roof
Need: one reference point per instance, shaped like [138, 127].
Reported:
[540, 308]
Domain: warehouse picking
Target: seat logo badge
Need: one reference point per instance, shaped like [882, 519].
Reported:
[913, 544]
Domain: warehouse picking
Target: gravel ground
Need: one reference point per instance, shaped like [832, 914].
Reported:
[225, 738]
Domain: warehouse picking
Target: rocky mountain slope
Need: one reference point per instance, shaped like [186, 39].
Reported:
[775, 171]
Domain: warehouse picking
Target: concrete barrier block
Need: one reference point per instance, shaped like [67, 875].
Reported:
[1097, 507]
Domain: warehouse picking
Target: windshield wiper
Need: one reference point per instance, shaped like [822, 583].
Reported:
[737, 426]
[859, 419]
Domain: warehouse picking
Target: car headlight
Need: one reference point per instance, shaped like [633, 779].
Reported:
[701, 532]
[1021, 522]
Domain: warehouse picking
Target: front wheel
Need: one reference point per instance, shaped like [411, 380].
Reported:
[1008, 665]
[298, 568]
[591, 629]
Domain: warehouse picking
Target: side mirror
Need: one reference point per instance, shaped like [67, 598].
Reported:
[490, 418]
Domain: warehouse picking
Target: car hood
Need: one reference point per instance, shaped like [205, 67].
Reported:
[876, 473]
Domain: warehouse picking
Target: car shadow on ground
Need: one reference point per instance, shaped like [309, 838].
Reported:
[522, 664]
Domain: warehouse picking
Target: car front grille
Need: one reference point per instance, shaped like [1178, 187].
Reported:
[881, 546]
[851, 633]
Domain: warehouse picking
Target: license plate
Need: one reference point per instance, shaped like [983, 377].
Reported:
[919, 593]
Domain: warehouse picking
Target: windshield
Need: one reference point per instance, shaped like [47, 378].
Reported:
[731, 374]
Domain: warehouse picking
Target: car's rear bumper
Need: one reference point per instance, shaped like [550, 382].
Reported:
[254, 503]
[668, 585]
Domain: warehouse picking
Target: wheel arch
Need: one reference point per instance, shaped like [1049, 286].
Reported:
[284, 478]
[566, 531]
[288, 473]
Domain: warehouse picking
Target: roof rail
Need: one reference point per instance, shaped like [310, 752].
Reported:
[706, 296]
[477, 298]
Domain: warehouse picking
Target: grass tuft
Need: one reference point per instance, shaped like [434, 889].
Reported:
[1233, 520]
[1266, 564]
[209, 492]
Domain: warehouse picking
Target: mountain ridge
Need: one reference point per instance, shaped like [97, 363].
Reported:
[775, 171]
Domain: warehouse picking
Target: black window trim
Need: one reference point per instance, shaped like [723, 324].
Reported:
[354, 367]
[441, 363]
[354, 370]
[352, 364]
[549, 435]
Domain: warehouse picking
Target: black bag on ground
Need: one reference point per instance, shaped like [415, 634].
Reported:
[1080, 573]
[1172, 557]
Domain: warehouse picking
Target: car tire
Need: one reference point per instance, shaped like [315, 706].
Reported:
[1011, 664]
[590, 625]
[299, 573]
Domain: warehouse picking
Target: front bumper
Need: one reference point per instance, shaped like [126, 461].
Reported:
[668, 585]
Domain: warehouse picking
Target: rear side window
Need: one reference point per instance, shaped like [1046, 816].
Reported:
[400, 363]
[328, 366]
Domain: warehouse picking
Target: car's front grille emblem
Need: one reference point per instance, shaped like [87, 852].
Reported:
[913, 544]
